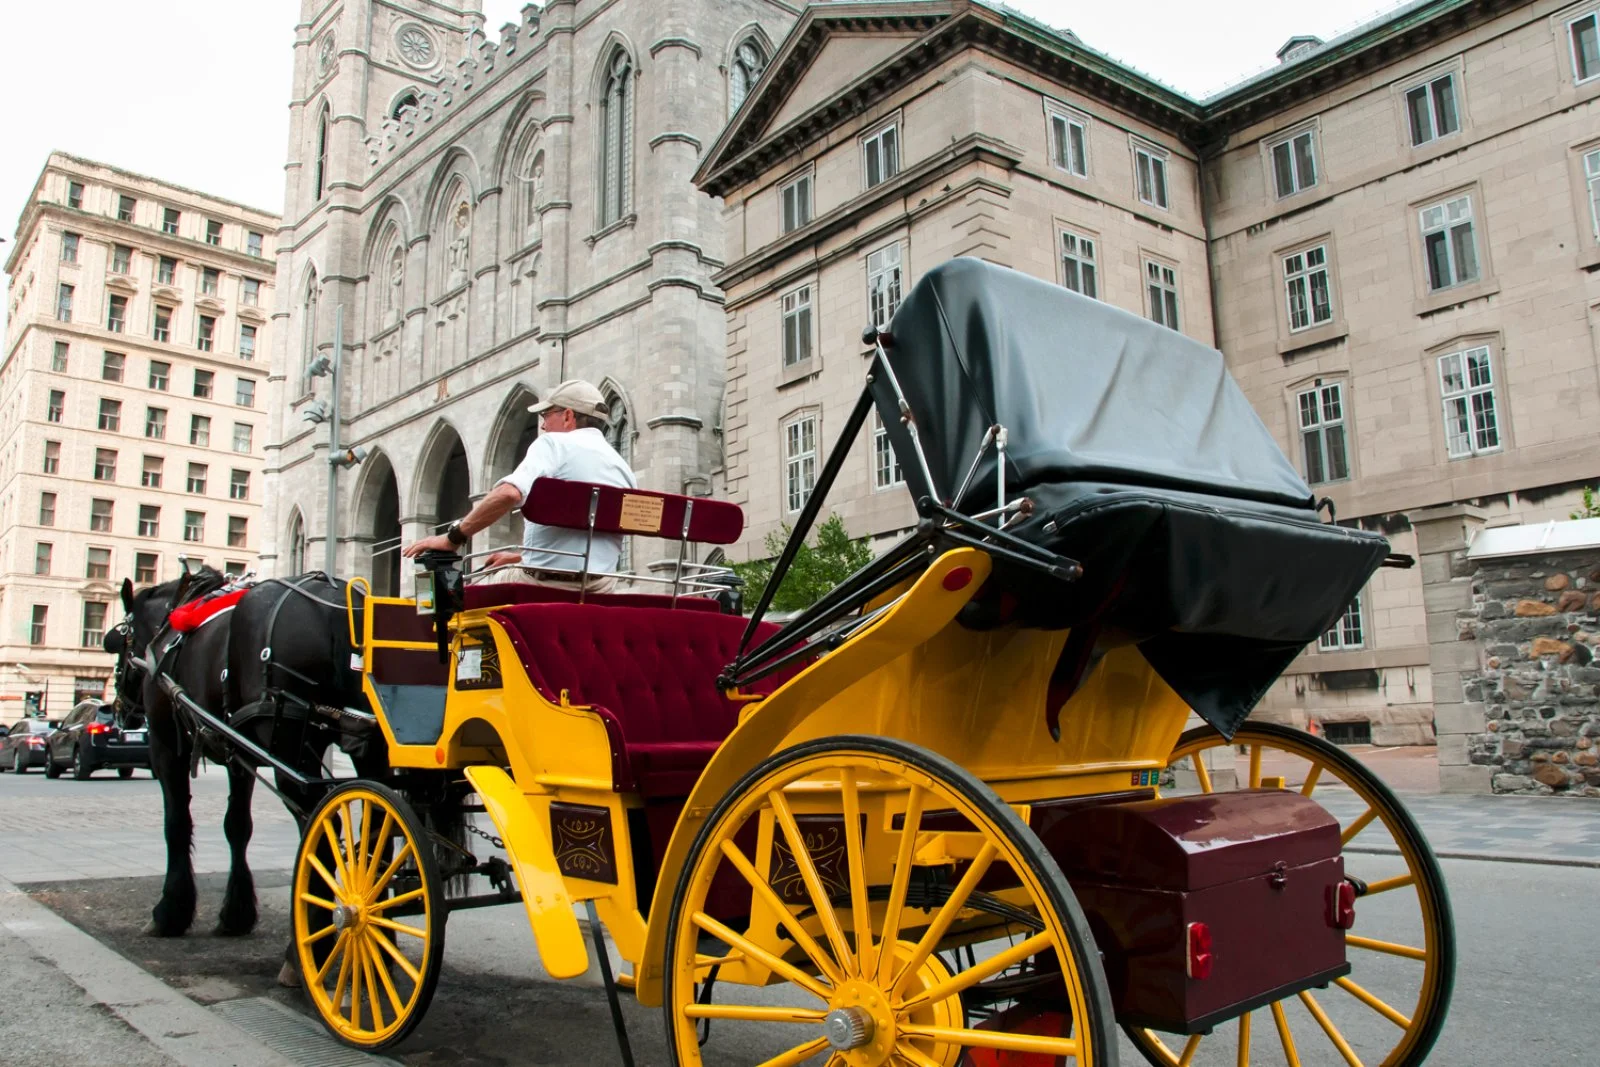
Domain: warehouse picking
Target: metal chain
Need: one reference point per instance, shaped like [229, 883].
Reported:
[493, 840]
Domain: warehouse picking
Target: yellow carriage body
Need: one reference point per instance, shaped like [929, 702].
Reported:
[913, 674]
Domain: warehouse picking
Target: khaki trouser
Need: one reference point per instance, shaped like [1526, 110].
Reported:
[535, 576]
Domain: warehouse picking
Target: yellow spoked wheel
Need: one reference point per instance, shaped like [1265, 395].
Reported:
[368, 915]
[891, 909]
[1389, 1010]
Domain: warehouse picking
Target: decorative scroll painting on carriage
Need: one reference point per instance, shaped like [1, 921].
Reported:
[926, 813]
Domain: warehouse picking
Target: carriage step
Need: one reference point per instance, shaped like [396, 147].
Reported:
[298, 1039]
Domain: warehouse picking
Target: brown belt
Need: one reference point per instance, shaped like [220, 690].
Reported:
[554, 576]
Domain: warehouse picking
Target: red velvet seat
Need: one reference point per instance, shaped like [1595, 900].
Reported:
[649, 672]
[500, 594]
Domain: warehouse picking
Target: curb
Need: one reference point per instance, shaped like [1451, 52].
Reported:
[177, 1026]
[1488, 857]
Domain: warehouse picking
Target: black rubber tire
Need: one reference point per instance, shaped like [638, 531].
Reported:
[19, 761]
[52, 769]
[1430, 878]
[958, 779]
[82, 763]
[124, 772]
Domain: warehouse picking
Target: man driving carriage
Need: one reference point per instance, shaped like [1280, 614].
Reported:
[571, 445]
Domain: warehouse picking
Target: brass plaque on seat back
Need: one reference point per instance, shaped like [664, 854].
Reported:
[641, 513]
[580, 835]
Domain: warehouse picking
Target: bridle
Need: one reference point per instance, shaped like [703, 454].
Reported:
[127, 665]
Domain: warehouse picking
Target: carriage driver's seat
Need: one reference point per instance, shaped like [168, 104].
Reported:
[646, 664]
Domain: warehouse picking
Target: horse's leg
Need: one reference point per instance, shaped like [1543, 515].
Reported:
[238, 914]
[174, 912]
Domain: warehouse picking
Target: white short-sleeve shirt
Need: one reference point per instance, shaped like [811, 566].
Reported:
[582, 455]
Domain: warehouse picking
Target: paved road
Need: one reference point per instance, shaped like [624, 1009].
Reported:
[1524, 993]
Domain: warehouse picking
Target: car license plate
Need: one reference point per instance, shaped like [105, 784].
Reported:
[133, 735]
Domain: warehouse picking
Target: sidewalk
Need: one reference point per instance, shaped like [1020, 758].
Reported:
[96, 1008]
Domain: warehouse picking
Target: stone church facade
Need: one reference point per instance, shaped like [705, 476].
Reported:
[487, 215]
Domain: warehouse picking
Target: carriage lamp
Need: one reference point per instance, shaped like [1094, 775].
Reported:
[1199, 957]
[423, 575]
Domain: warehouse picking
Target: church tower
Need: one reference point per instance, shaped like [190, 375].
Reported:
[357, 64]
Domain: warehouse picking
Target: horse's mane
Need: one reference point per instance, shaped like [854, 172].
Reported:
[199, 583]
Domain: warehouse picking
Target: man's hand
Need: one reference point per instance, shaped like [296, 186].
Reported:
[501, 559]
[436, 543]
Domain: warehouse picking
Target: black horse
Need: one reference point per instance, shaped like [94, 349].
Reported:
[276, 668]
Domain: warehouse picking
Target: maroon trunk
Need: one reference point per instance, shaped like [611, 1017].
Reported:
[1250, 872]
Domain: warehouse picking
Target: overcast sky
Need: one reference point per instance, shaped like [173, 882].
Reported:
[196, 91]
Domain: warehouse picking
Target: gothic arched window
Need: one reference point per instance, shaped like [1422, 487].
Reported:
[297, 545]
[616, 140]
[320, 171]
[308, 328]
[405, 101]
[619, 432]
[748, 62]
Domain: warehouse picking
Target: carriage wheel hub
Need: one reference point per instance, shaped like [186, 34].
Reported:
[345, 915]
[848, 1028]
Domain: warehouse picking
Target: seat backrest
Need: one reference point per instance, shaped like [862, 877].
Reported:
[499, 594]
[655, 669]
[616, 509]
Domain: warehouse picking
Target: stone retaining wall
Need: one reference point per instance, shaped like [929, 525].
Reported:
[1536, 623]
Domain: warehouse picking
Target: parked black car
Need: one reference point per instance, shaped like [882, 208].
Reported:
[93, 738]
[23, 744]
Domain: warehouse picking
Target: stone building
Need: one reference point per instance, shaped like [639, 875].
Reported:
[133, 416]
[495, 213]
[1391, 235]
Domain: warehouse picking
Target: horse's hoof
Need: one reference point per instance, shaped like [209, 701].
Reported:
[156, 929]
[289, 976]
[223, 929]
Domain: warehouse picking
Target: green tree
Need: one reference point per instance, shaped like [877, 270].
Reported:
[1590, 509]
[817, 567]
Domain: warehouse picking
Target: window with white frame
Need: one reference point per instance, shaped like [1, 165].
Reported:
[797, 207]
[1150, 174]
[1448, 243]
[797, 326]
[1069, 142]
[886, 473]
[884, 284]
[1080, 270]
[1307, 288]
[1466, 386]
[1347, 632]
[1161, 285]
[799, 460]
[1431, 110]
[880, 154]
[1294, 163]
[1324, 446]
[1591, 178]
[1584, 33]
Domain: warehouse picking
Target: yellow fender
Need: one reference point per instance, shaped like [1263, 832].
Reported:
[926, 609]
[544, 891]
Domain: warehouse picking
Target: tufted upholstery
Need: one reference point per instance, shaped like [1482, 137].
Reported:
[650, 673]
[497, 594]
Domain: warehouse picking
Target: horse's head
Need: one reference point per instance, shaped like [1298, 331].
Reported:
[145, 614]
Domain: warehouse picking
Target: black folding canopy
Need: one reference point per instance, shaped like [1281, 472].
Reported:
[1139, 458]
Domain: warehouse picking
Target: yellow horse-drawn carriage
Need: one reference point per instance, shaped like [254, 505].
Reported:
[949, 814]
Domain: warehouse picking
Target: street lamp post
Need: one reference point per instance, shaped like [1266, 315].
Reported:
[338, 455]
